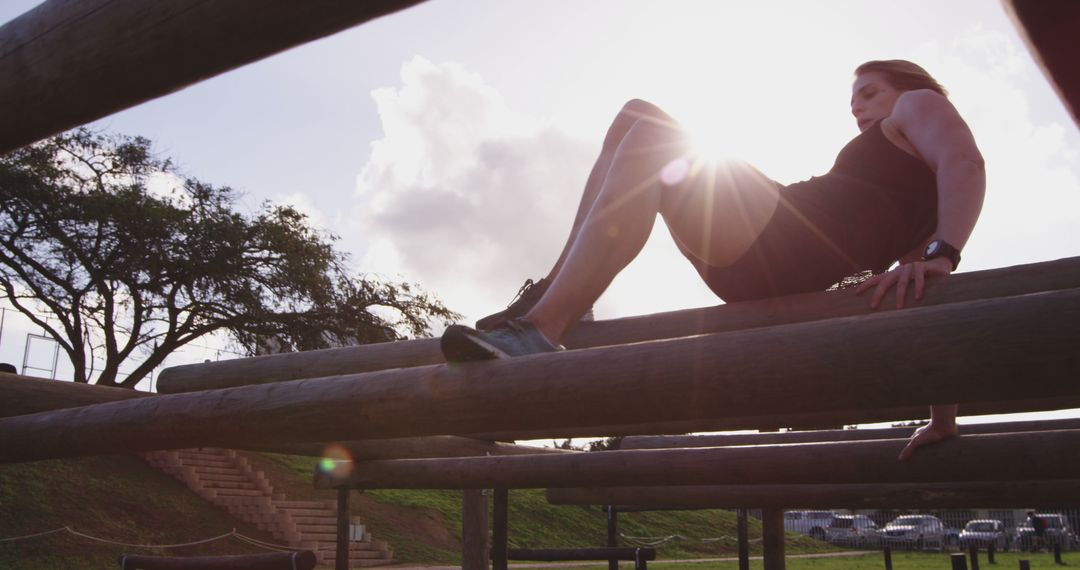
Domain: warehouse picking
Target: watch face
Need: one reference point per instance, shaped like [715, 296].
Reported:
[932, 248]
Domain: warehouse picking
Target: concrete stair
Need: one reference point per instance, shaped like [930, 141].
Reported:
[226, 479]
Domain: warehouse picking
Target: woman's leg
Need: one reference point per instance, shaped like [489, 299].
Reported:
[715, 212]
[633, 111]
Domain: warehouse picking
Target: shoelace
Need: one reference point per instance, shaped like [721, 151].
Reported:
[521, 292]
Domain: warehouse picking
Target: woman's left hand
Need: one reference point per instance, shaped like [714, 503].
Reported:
[915, 272]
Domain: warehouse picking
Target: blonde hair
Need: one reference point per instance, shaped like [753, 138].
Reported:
[903, 75]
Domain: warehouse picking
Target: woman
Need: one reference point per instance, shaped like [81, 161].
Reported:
[909, 188]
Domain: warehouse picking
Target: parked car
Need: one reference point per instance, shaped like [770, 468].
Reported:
[984, 532]
[810, 523]
[853, 530]
[915, 531]
[1057, 532]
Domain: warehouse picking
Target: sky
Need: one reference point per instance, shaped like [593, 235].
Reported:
[448, 144]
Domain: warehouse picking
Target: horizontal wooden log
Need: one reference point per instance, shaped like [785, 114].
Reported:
[815, 421]
[1017, 280]
[969, 352]
[1052, 455]
[720, 440]
[567, 554]
[27, 395]
[999, 494]
[66, 63]
[301, 560]
[411, 448]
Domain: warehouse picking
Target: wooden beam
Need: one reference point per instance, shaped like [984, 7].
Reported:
[974, 351]
[301, 560]
[27, 395]
[720, 440]
[63, 63]
[1017, 280]
[1049, 27]
[1052, 455]
[1004, 494]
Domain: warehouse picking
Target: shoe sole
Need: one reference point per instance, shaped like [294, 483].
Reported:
[459, 344]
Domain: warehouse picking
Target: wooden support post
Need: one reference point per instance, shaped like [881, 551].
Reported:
[772, 535]
[973, 553]
[612, 534]
[341, 561]
[887, 552]
[1057, 553]
[63, 64]
[990, 551]
[500, 529]
[474, 529]
[743, 530]
[1025, 565]
[959, 561]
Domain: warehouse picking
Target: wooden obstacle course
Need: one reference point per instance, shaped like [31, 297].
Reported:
[780, 370]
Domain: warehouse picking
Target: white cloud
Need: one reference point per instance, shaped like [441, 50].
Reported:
[462, 194]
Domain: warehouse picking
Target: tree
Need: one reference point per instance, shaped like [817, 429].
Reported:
[125, 270]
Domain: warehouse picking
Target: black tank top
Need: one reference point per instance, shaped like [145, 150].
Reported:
[877, 202]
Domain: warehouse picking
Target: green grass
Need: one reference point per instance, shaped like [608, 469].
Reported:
[118, 498]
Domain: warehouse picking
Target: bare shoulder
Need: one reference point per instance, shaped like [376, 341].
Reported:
[922, 106]
[933, 126]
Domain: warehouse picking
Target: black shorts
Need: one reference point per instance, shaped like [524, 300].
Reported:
[820, 233]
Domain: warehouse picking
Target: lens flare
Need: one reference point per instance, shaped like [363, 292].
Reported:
[336, 461]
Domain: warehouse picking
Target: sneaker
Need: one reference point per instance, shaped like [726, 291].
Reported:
[511, 338]
[527, 297]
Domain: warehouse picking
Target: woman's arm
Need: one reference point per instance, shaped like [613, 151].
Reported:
[943, 140]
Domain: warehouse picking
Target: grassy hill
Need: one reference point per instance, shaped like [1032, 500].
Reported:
[124, 500]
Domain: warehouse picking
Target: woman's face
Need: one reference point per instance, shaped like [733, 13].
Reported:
[872, 98]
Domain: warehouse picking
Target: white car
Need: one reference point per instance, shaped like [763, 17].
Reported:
[854, 530]
[983, 533]
[810, 523]
[915, 531]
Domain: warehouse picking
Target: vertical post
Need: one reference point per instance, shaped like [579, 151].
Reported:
[612, 534]
[1025, 565]
[973, 552]
[743, 529]
[341, 562]
[500, 530]
[474, 529]
[772, 534]
[959, 561]
[990, 550]
[1057, 553]
[888, 558]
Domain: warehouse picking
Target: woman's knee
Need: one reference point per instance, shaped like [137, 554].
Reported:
[634, 111]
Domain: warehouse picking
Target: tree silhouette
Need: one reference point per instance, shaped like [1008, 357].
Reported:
[132, 261]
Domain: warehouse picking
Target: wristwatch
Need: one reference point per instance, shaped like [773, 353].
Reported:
[942, 248]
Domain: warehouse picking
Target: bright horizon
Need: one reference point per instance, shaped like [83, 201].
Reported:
[448, 144]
